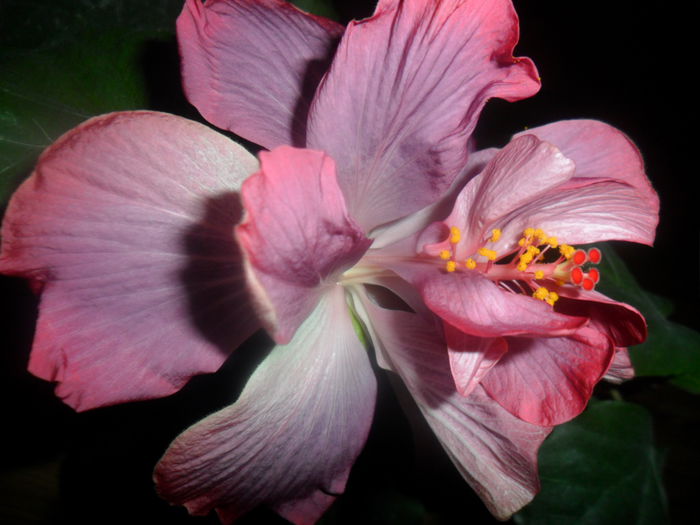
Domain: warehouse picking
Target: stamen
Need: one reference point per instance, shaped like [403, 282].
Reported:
[541, 236]
[455, 235]
[541, 293]
[566, 250]
[529, 264]
[489, 254]
[552, 298]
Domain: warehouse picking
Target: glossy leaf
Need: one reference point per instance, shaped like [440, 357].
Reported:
[600, 469]
[317, 7]
[671, 349]
[65, 61]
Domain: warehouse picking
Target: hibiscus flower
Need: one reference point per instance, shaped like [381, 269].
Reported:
[159, 245]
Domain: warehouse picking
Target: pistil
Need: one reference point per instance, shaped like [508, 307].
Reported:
[531, 265]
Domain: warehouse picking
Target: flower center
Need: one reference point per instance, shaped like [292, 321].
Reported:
[537, 264]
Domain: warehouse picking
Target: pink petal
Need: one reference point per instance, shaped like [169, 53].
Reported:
[471, 357]
[621, 368]
[407, 230]
[525, 169]
[126, 225]
[598, 211]
[599, 151]
[529, 184]
[477, 306]
[297, 235]
[622, 323]
[549, 380]
[495, 452]
[252, 66]
[291, 438]
[403, 94]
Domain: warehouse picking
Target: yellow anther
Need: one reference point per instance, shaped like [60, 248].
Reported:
[539, 274]
[526, 258]
[455, 235]
[470, 263]
[541, 293]
[450, 266]
[495, 234]
[533, 250]
[553, 242]
[522, 266]
[445, 254]
[522, 241]
[567, 251]
[489, 254]
[529, 232]
[539, 233]
[552, 297]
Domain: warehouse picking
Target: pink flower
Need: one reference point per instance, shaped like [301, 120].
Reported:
[127, 229]
[520, 314]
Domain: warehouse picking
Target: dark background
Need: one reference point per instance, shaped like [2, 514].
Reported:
[625, 62]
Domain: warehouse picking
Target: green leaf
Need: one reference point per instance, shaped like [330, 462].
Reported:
[600, 469]
[65, 61]
[317, 7]
[671, 349]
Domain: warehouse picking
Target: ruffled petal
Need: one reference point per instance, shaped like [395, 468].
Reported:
[471, 357]
[518, 174]
[622, 323]
[403, 95]
[297, 235]
[252, 66]
[530, 183]
[548, 381]
[598, 211]
[495, 452]
[126, 227]
[599, 151]
[621, 368]
[291, 438]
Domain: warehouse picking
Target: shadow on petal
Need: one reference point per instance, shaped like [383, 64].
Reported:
[315, 69]
[219, 302]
